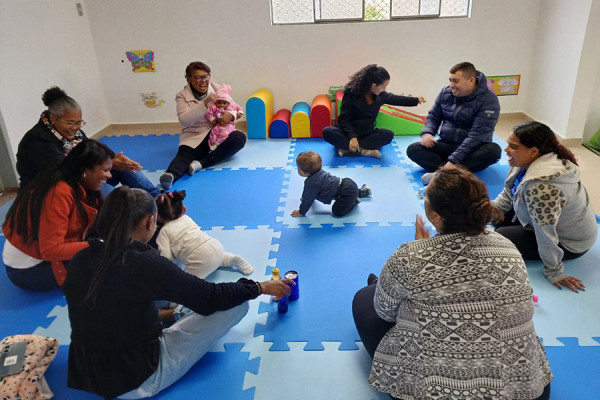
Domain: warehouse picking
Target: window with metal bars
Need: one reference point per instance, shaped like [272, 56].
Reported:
[315, 11]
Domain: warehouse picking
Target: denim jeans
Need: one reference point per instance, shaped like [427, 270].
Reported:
[132, 179]
[183, 344]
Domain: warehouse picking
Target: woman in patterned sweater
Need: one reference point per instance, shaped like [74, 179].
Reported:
[451, 316]
[548, 214]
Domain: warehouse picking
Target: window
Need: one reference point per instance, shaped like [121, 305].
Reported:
[314, 11]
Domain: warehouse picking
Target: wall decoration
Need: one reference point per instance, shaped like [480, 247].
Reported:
[151, 100]
[504, 85]
[141, 60]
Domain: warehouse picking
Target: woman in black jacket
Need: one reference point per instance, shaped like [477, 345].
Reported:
[364, 95]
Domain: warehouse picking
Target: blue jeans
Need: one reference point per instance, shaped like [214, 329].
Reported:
[131, 179]
[183, 344]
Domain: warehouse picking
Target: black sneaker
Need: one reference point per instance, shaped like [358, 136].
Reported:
[372, 279]
[364, 191]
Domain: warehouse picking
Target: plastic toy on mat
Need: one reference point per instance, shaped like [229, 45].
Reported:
[320, 115]
[300, 120]
[259, 112]
[280, 125]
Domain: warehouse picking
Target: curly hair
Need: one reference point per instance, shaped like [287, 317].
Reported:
[361, 82]
[461, 200]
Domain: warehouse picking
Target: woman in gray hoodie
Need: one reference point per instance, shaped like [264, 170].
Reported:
[548, 214]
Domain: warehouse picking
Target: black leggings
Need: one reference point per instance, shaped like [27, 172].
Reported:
[432, 158]
[372, 141]
[186, 154]
[372, 329]
[525, 240]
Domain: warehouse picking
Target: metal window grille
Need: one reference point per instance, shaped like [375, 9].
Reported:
[311, 11]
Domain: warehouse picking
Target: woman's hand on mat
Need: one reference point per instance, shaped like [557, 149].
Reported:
[353, 145]
[277, 288]
[124, 163]
[296, 213]
[428, 140]
[420, 231]
[422, 100]
[572, 283]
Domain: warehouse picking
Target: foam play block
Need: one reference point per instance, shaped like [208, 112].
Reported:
[399, 121]
[339, 95]
[259, 112]
[280, 125]
[320, 115]
[300, 120]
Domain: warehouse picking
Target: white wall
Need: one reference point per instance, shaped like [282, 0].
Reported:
[591, 78]
[298, 62]
[557, 62]
[45, 43]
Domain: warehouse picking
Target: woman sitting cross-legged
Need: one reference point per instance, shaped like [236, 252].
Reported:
[46, 224]
[451, 316]
[118, 345]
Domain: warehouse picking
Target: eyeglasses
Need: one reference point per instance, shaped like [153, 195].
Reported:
[201, 77]
[74, 123]
[421, 193]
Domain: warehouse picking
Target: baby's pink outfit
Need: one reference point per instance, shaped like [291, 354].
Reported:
[219, 133]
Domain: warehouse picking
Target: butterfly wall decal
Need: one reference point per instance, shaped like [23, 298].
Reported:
[143, 61]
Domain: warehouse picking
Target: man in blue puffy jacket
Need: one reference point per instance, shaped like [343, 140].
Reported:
[464, 115]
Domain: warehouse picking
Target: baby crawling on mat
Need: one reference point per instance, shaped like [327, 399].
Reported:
[182, 239]
[322, 186]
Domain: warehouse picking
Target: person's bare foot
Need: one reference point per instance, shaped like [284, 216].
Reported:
[371, 153]
[166, 315]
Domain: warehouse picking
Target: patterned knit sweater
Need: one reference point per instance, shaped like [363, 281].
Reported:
[464, 329]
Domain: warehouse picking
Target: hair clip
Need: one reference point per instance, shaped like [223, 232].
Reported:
[171, 194]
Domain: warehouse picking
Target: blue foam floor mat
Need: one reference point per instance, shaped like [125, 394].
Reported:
[314, 349]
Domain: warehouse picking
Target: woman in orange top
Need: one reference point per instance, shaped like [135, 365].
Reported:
[46, 224]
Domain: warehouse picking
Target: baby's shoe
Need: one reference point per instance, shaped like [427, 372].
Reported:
[364, 191]
[241, 264]
[166, 180]
[194, 167]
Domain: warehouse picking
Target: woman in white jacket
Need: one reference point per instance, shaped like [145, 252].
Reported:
[194, 152]
[548, 214]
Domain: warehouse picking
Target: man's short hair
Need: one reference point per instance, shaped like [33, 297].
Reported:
[467, 69]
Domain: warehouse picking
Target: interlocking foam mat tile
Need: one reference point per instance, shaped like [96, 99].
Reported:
[332, 264]
[331, 159]
[152, 152]
[233, 197]
[393, 199]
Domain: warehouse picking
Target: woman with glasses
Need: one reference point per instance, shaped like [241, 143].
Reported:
[57, 132]
[46, 224]
[451, 316]
[194, 152]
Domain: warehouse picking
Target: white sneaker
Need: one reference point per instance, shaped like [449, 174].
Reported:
[243, 265]
[427, 177]
[194, 167]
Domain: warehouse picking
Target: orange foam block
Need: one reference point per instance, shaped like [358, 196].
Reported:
[320, 115]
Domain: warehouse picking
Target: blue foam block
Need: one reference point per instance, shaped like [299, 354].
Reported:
[279, 130]
[152, 152]
[256, 118]
[332, 264]
[229, 198]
